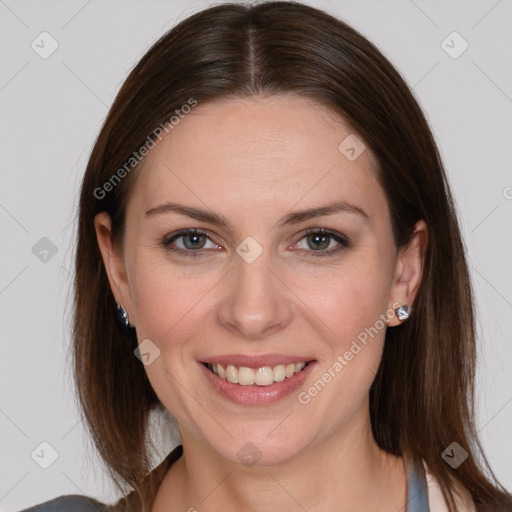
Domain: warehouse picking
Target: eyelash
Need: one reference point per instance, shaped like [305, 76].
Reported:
[344, 242]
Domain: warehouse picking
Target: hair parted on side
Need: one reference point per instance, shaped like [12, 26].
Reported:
[422, 398]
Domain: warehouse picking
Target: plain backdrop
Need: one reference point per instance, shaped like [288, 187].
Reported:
[51, 110]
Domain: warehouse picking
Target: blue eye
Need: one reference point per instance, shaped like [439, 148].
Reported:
[191, 241]
[194, 243]
[318, 240]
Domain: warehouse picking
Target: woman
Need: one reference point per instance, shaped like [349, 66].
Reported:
[266, 213]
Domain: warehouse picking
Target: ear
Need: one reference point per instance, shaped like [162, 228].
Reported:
[114, 262]
[408, 271]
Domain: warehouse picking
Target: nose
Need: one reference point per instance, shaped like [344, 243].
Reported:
[256, 300]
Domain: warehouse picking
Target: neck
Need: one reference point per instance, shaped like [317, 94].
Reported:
[345, 472]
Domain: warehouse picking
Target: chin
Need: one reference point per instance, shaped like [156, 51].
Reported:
[262, 449]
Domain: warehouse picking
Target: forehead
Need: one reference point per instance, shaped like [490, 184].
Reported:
[259, 153]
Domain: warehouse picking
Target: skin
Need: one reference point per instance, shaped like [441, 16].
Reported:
[254, 161]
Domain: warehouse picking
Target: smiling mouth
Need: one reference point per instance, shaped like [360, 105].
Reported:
[262, 376]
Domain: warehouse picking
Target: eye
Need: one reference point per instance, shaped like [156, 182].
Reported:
[316, 242]
[189, 242]
[323, 242]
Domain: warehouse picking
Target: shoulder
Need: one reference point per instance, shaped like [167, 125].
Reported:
[69, 503]
[436, 500]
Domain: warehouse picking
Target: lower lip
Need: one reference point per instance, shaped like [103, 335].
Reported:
[257, 395]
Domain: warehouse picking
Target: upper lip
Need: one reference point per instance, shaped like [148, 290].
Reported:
[256, 361]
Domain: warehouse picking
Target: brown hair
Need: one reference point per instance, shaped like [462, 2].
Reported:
[422, 398]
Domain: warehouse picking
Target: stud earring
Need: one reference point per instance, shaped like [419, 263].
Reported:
[122, 316]
[403, 312]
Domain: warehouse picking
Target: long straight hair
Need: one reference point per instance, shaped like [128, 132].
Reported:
[422, 398]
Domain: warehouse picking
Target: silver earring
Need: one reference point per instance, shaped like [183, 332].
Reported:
[403, 312]
[122, 316]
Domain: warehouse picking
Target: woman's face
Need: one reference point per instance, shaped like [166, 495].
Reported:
[260, 286]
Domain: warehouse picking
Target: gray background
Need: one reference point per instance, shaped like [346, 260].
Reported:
[51, 111]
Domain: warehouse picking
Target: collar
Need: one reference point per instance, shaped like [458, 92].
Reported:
[417, 490]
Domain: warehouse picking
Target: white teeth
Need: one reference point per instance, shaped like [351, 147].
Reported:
[232, 374]
[279, 373]
[262, 376]
[245, 376]
[299, 367]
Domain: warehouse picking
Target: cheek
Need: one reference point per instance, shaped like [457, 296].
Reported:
[165, 295]
[354, 304]
[358, 322]
[350, 299]
[356, 310]
[173, 305]
[169, 311]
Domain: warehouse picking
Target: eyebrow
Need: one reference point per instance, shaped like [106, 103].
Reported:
[290, 218]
